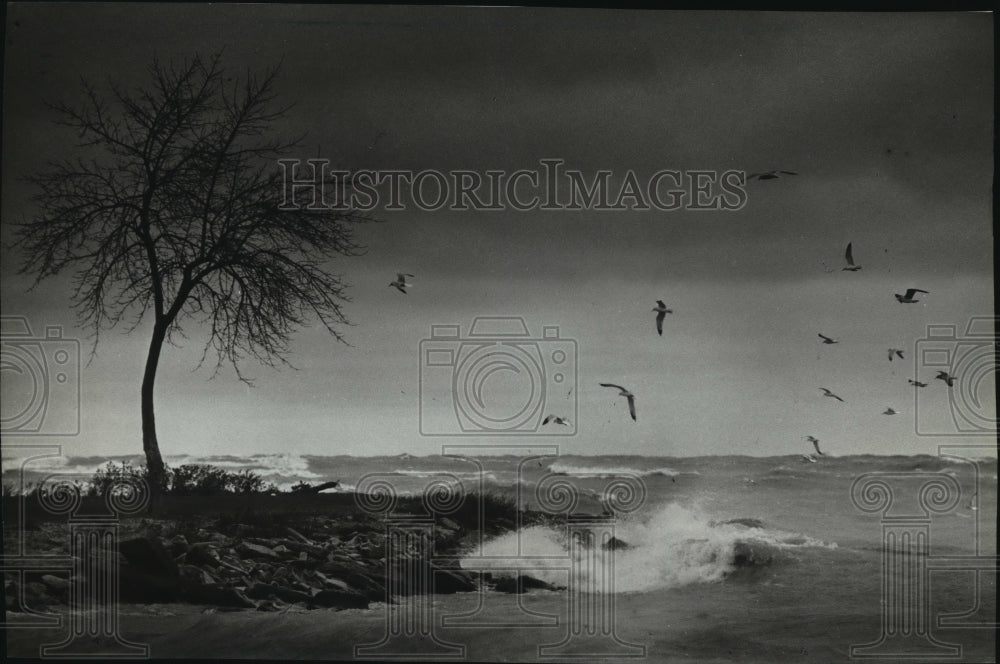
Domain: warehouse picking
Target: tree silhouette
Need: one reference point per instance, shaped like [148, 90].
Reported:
[176, 209]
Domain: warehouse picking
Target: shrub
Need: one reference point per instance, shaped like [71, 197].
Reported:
[185, 480]
[107, 477]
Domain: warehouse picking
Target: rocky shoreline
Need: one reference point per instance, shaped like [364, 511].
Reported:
[272, 562]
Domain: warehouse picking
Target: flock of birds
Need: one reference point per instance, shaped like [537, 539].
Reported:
[909, 297]
[661, 310]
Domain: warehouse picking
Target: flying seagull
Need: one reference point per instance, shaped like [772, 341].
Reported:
[916, 383]
[555, 419]
[400, 282]
[908, 297]
[828, 340]
[943, 375]
[898, 353]
[890, 411]
[661, 312]
[769, 175]
[849, 257]
[624, 393]
[815, 442]
[828, 393]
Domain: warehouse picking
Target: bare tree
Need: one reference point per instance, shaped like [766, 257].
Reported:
[176, 208]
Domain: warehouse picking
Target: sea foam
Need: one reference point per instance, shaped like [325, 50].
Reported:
[674, 546]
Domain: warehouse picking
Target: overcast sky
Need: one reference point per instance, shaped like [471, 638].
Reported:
[887, 118]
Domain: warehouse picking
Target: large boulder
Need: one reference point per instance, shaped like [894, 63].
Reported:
[177, 545]
[521, 584]
[202, 553]
[144, 588]
[149, 556]
[615, 544]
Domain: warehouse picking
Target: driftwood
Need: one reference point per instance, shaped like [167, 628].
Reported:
[321, 487]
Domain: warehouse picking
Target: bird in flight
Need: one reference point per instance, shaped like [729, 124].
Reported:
[624, 393]
[890, 411]
[849, 257]
[907, 298]
[769, 175]
[895, 351]
[661, 312]
[815, 442]
[400, 282]
[946, 377]
[828, 340]
[555, 419]
[916, 383]
[828, 393]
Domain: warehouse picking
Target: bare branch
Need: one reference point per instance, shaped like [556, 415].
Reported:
[174, 210]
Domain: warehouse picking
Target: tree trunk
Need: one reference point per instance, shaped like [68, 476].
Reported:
[154, 462]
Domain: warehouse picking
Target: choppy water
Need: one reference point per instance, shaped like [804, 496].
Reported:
[687, 591]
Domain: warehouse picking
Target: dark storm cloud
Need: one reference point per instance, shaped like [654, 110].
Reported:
[887, 118]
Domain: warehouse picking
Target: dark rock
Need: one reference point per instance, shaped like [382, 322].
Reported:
[268, 605]
[196, 574]
[266, 591]
[521, 584]
[333, 583]
[31, 596]
[56, 584]
[451, 581]
[177, 545]
[339, 599]
[217, 595]
[233, 563]
[12, 595]
[320, 487]
[746, 521]
[35, 594]
[202, 553]
[746, 554]
[139, 586]
[301, 547]
[615, 544]
[356, 576]
[256, 550]
[149, 556]
[443, 581]
[302, 538]
[508, 584]
[531, 583]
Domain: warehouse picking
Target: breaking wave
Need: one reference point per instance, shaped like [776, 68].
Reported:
[675, 546]
[611, 471]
